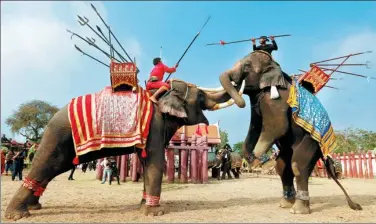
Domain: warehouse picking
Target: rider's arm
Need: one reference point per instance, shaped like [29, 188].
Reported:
[275, 47]
[169, 70]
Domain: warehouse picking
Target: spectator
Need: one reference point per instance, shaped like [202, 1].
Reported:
[115, 172]
[9, 161]
[2, 161]
[71, 174]
[18, 165]
[107, 171]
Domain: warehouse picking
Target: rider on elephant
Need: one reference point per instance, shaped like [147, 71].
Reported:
[156, 78]
[263, 46]
[228, 147]
[270, 79]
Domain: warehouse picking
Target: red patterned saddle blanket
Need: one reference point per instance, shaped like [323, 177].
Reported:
[109, 119]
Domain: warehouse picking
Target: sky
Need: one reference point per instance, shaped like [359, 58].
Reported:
[39, 61]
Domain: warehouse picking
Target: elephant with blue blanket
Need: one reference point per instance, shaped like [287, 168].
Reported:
[275, 121]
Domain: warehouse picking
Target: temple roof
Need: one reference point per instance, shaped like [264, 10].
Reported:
[213, 133]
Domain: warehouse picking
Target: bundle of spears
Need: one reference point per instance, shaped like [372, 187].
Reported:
[83, 21]
[318, 77]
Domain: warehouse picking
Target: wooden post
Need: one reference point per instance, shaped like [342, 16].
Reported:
[194, 168]
[205, 162]
[345, 171]
[183, 158]
[360, 163]
[355, 169]
[189, 165]
[366, 173]
[170, 166]
[99, 169]
[179, 162]
[134, 166]
[349, 160]
[370, 168]
[118, 162]
[199, 167]
[123, 168]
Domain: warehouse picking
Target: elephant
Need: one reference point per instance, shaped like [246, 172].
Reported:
[271, 123]
[182, 105]
[227, 161]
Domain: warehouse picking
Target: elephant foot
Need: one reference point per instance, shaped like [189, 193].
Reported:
[37, 206]
[286, 203]
[300, 207]
[142, 203]
[16, 212]
[154, 210]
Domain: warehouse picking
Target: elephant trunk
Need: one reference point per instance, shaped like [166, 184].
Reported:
[230, 89]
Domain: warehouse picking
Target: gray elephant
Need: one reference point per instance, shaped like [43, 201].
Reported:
[272, 122]
[182, 105]
[227, 161]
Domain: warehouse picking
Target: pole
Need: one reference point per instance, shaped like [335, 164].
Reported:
[85, 21]
[113, 35]
[366, 52]
[77, 48]
[198, 33]
[239, 41]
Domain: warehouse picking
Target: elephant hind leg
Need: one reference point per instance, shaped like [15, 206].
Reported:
[304, 158]
[54, 156]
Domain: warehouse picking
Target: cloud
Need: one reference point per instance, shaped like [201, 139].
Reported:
[354, 104]
[39, 60]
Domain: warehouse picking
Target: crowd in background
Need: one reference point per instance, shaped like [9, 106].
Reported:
[16, 156]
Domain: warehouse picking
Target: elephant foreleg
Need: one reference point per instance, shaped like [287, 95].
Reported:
[143, 199]
[52, 159]
[275, 123]
[153, 182]
[284, 170]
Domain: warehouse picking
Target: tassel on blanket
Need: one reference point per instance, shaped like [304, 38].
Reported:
[76, 161]
[143, 153]
[274, 93]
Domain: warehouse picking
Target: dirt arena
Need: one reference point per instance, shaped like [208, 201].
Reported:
[249, 199]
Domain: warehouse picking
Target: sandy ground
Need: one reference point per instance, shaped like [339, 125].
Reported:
[249, 199]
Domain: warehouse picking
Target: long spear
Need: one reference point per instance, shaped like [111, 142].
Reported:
[221, 42]
[198, 33]
[85, 21]
[91, 43]
[349, 55]
[77, 48]
[113, 35]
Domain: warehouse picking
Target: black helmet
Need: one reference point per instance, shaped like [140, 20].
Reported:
[156, 61]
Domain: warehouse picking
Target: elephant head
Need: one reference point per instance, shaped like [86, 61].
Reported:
[222, 157]
[258, 69]
[187, 101]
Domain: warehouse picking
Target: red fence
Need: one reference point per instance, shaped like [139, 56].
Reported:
[357, 165]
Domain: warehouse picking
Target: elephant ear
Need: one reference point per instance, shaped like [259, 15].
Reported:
[272, 76]
[172, 104]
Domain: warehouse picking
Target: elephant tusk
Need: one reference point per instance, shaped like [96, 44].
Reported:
[214, 89]
[230, 102]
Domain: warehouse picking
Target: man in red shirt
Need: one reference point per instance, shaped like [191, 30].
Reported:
[156, 78]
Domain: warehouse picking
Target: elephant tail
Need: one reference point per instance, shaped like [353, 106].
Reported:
[330, 168]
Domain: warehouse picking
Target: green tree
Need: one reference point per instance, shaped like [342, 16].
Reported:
[31, 118]
[351, 140]
[237, 147]
[224, 138]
